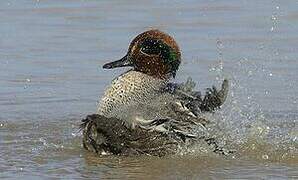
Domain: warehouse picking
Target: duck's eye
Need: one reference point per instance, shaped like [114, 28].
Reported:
[151, 47]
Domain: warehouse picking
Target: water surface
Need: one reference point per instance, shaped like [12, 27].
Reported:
[51, 53]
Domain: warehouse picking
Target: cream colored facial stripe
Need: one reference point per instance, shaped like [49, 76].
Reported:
[149, 54]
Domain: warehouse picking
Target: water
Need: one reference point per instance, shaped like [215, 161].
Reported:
[50, 77]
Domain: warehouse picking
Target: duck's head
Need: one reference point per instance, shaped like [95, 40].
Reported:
[152, 52]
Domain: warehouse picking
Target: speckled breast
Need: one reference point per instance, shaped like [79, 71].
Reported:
[128, 90]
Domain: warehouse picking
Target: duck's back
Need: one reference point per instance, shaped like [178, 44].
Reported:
[128, 93]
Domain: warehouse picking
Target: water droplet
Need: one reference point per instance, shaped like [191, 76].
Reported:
[44, 142]
[253, 146]
[276, 53]
[273, 17]
[219, 44]
[250, 73]
[212, 69]
[265, 156]
[261, 47]
[103, 153]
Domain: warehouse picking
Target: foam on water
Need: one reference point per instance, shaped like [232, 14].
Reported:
[245, 126]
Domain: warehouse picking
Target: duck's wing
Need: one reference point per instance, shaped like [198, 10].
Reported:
[184, 117]
[182, 128]
[194, 101]
[215, 98]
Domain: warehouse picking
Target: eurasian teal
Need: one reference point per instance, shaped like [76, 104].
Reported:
[155, 58]
[139, 94]
[144, 97]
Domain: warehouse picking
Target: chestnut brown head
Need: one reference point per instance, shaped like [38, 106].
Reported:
[152, 52]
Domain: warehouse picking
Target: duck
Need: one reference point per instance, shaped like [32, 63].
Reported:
[144, 112]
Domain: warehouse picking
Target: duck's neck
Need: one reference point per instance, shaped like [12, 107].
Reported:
[156, 76]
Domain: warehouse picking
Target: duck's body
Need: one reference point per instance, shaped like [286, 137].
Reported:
[146, 100]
